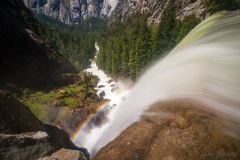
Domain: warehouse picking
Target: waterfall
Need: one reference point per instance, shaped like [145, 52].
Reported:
[204, 68]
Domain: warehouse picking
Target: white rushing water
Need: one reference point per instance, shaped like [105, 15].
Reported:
[105, 84]
[88, 138]
[204, 67]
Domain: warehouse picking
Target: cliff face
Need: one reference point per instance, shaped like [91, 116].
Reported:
[127, 8]
[25, 59]
[72, 11]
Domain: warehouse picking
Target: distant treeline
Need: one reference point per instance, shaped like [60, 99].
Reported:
[75, 42]
[213, 6]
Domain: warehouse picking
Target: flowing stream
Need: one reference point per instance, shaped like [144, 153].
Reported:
[115, 92]
[105, 84]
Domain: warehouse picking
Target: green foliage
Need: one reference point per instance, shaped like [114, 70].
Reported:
[92, 24]
[75, 42]
[164, 39]
[141, 53]
[213, 6]
[75, 90]
[69, 97]
[185, 26]
[127, 48]
[37, 109]
[37, 94]
[71, 102]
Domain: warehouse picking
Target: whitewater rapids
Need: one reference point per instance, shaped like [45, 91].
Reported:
[204, 67]
[87, 137]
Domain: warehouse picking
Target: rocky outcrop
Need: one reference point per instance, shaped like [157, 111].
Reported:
[192, 8]
[173, 131]
[30, 145]
[72, 11]
[155, 8]
[108, 7]
[25, 59]
[65, 154]
[23, 136]
[17, 119]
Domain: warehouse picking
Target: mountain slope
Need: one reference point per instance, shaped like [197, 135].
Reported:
[25, 59]
[155, 8]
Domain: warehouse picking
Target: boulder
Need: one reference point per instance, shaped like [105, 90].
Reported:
[110, 81]
[29, 145]
[102, 94]
[114, 89]
[101, 86]
[113, 85]
[66, 154]
[62, 92]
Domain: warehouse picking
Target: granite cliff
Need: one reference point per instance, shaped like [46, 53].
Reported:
[72, 11]
[155, 8]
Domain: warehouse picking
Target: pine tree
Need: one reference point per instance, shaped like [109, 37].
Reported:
[164, 39]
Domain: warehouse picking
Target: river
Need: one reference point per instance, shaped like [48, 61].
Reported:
[105, 84]
[86, 137]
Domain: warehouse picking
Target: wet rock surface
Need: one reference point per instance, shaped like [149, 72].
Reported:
[102, 94]
[173, 131]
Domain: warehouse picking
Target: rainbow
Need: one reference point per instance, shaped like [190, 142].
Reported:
[63, 113]
[88, 119]
[99, 108]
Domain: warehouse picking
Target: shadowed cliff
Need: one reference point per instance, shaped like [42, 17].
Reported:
[25, 59]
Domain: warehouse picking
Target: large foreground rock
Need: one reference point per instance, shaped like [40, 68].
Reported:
[175, 131]
[15, 117]
[23, 136]
[30, 145]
